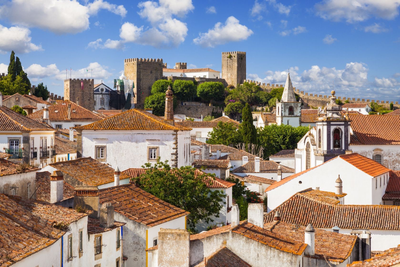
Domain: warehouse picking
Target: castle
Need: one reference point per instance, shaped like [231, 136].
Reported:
[80, 91]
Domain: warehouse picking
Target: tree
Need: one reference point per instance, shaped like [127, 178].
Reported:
[233, 110]
[41, 91]
[208, 118]
[161, 86]
[247, 129]
[12, 67]
[277, 93]
[17, 80]
[272, 102]
[184, 187]
[226, 133]
[18, 109]
[391, 106]
[184, 90]
[156, 102]
[208, 91]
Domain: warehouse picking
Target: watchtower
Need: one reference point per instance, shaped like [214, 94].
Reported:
[181, 65]
[234, 67]
[80, 91]
[143, 72]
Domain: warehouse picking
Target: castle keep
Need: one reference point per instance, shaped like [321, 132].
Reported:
[234, 67]
[80, 91]
[143, 72]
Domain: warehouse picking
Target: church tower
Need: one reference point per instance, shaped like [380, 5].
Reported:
[288, 110]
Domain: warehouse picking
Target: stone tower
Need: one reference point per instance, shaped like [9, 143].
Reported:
[143, 72]
[234, 67]
[169, 105]
[288, 110]
[80, 91]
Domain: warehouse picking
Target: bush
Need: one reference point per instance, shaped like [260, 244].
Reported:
[19, 110]
[208, 91]
[184, 90]
[161, 86]
[156, 102]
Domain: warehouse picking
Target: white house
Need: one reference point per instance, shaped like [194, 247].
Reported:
[199, 72]
[29, 103]
[362, 108]
[214, 166]
[26, 140]
[264, 168]
[284, 157]
[288, 110]
[17, 180]
[363, 179]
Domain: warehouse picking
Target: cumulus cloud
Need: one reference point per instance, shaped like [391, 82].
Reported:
[282, 9]
[211, 10]
[297, 30]
[257, 9]
[329, 39]
[375, 28]
[3, 68]
[94, 70]
[96, 44]
[17, 39]
[58, 16]
[36, 71]
[357, 10]
[231, 31]
[111, 44]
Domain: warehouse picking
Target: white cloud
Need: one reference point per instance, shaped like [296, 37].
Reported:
[96, 44]
[129, 32]
[94, 70]
[232, 31]
[297, 30]
[113, 44]
[211, 10]
[357, 10]
[284, 23]
[285, 33]
[58, 16]
[3, 68]
[329, 39]
[269, 24]
[17, 39]
[257, 9]
[375, 28]
[36, 71]
[282, 9]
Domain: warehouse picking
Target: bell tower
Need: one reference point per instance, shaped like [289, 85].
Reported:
[288, 110]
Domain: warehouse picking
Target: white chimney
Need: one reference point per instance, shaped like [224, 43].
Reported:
[45, 113]
[255, 214]
[71, 134]
[339, 187]
[279, 173]
[56, 187]
[277, 216]
[245, 159]
[257, 164]
[116, 176]
[1, 99]
[309, 239]
[218, 154]
[235, 215]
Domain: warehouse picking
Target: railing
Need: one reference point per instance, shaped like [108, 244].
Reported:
[14, 154]
[44, 154]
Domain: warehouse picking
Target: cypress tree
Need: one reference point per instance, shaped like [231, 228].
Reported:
[12, 67]
[18, 67]
[247, 128]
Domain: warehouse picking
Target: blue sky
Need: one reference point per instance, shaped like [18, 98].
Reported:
[349, 46]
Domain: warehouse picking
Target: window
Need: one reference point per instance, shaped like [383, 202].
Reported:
[58, 126]
[97, 245]
[80, 241]
[377, 158]
[337, 138]
[13, 145]
[380, 181]
[101, 153]
[153, 153]
[154, 242]
[69, 255]
[117, 263]
[13, 190]
[291, 111]
[118, 239]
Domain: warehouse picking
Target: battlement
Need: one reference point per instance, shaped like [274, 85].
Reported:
[267, 87]
[79, 80]
[181, 65]
[160, 60]
[234, 53]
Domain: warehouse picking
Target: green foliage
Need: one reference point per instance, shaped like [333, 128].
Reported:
[18, 109]
[208, 118]
[249, 93]
[339, 102]
[378, 109]
[233, 110]
[247, 129]
[277, 93]
[243, 207]
[225, 133]
[272, 102]
[189, 119]
[11, 67]
[17, 80]
[156, 102]
[208, 91]
[346, 101]
[238, 190]
[391, 106]
[184, 90]
[183, 188]
[41, 91]
[161, 86]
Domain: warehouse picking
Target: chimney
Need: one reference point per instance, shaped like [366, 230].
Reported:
[56, 187]
[277, 216]
[279, 172]
[218, 154]
[205, 154]
[339, 187]
[69, 111]
[235, 215]
[169, 105]
[45, 114]
[309, 239]
[245, 159]
[336, 229]
[87, 198]
[1, 99]
[255, 214]
[173, 247]
[117, 172]
[107, 215]
[256, 164]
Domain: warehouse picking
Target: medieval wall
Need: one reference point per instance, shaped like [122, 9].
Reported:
[81, 95]
[234, 67]
[195, 110]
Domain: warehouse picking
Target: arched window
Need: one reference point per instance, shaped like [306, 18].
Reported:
[319, 138]
[308, 155]
[291, 110]
[378, 158]
[337, 138]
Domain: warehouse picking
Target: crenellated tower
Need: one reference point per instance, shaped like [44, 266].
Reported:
[80, 91]
[234, 67]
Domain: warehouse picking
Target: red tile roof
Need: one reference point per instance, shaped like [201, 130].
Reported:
[140, 206]
[367, 165]
[59, 112]
[211, 163]
[43, 188]
[257, 179]
[287, 179]
[94, 226]
[304, 208]
[195, 142]
[285, 153]
[134, 172]
[309, 115]
[354, 105]
[37, 99]
[108, 113]
[233, 153]
[10, 168]
[268, 118]
[375, 130]
[394, 113]
[13, 121]
[223, 258]
[266, 166]
[392, 191]
[64, 146]
[133, 119]
[390, 257]
[225, 120]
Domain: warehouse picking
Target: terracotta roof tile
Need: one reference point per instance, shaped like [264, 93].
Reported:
[394, 113]
[86, 171]
[195, 142]
[224, 258]
[28, 107]
[108, 113]
[233, 153]
[216, 231]
[140, 206]
[375, 130]
[304, 208]
[211, 163]
[200, 124]
[285, 153]
[392, 191]
[266, 166]
[268, 118]
[133, 119]
[94, 226]
[134, 172]
[225, 120]
[257, 179]
[10, 168]
[354, 105]
[309, 115]
[59, 112]
[390, 257]
[13, 121]
[37, 99]
[64, 146]
[367, 165]
[43, 187]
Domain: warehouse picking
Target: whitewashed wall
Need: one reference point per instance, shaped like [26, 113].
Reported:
[74, 230]
[390, 154]
[20, 181]
[47, 257]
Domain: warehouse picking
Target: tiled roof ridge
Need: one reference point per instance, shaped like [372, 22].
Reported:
[364, 160]
[77, 106]
[19, 124]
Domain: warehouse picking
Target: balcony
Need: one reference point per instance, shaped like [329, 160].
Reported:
[15, 154]
[44, 154]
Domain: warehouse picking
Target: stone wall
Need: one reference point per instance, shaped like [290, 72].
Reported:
[74, 92]
[234, 67]
[196, 111]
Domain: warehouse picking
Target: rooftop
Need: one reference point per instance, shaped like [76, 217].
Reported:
[108, 113]
[309, 115]
[64, 146]
[212, 163]
[256, 179]
[140, 206]
[285, 153]
[224, 257]
[268, 117]
[86, 171]
[59, 112]
[266, 166]
[13, 121]
[30, 97]
[390, 257]
[394, 113]
[43, 188]
[133, 119]
[327, 213]
[134, 172]
[233, 153]
[354, 105]
[392, 191]
[375, 130]
[94, 226]
[10, 168]
[207, 124]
